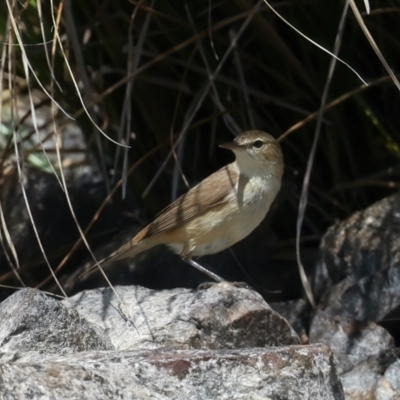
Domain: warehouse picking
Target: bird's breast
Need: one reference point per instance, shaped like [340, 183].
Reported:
[224, 225]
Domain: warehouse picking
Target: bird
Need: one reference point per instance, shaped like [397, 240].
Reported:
[219, 211]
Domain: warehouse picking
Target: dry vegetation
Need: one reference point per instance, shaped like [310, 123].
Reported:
[172, 79]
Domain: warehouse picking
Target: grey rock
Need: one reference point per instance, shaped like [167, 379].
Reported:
[392, 374]
[294, 372]
[385, 391]
[353, 343]
[222, 315]
[358, 274]
[356, 281]
[360, 384]
[296, 312]
[33, 322]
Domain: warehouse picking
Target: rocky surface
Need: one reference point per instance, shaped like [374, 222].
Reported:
[289, 373]
[355, 343]
[218, 316]
[214, 342]
[297, 314]
[33, 323]
[357, 281]
[358, 274]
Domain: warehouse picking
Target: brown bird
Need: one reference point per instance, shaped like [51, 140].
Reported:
[221, 210]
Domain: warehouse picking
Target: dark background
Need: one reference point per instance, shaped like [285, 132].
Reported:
[273, 79]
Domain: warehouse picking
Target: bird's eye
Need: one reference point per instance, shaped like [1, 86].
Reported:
[258, 144]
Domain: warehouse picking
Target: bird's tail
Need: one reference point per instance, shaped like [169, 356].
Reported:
[135, 246]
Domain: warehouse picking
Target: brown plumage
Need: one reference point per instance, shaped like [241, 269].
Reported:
[219, 211]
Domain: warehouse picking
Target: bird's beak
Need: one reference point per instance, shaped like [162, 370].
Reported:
[232, 146]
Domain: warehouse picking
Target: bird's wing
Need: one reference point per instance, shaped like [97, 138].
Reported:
[211, 192]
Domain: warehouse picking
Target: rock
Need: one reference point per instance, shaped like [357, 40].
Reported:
[354, 343]
[296, 312]
[43, 342]
[32, 322]
[221, 316]
[294, 372]
[358, 274]
[392, 374]
[385, 391]
[357, 280]
[360, 384]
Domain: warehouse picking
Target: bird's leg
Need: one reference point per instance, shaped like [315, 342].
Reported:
[202, 269]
